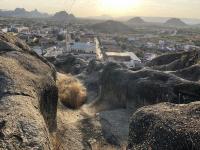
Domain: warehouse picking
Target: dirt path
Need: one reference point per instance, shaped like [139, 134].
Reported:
[86, 130]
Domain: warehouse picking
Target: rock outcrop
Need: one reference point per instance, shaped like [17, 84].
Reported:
[69, 64]
[191, 73]
[28, 97]
[175, 61]
[121, 88]
[166, 126]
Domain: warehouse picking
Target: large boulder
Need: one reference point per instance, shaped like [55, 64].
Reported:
[69, 63]
[28, 97]
[122, 88]
[165, 126]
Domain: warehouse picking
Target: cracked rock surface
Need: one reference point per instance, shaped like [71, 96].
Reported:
[28, 97]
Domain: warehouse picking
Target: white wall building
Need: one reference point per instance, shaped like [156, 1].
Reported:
[127, 58]
[83, 50]
[79, 47]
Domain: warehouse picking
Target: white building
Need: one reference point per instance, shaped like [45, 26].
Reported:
[83, 50]
[149, 56]
[127, 58]
[4, 30]
[79, 47]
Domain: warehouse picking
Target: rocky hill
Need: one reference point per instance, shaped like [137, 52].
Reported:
[28, 97]
[22, 13]
[136, 20]
[111, 26]
[63, 16]
[162, 100]
[175, 22]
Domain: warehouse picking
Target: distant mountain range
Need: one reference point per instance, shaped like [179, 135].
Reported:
[22, 13]
[111, 26]
[170, 22]
[64, 16]
[188, 21]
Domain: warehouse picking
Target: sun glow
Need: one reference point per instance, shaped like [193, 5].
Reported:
[116, 6]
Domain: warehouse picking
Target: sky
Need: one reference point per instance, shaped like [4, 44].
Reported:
[114, 8]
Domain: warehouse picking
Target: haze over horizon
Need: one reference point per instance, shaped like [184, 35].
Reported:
[119, 8]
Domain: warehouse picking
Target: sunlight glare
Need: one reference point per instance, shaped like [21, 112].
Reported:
[118, 5]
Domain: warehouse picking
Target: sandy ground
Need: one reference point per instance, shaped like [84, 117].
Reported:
[85, 129]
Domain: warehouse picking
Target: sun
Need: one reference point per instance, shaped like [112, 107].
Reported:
[116, 6]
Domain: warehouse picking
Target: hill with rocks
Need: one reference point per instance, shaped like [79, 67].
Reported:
[63, 16]
[161, 101]
[136, 20]
[22, 13]
[111, 26]
[175, 22]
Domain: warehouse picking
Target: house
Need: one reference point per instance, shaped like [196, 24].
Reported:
[127, 58]
[149, 56]
[83, 50]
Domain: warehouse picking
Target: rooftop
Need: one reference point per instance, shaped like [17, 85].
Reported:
[123, 54]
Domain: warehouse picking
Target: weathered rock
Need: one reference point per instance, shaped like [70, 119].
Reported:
[175, 61]
[166, 126]
[94, 66]
[115, 125]
[28, 97]
[70, 64]
[91, 76]
[191, 73]
[122, 88]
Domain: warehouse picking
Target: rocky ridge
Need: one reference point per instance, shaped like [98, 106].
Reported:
[28, 97]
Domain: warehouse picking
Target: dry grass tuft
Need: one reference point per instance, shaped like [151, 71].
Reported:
[71, 91]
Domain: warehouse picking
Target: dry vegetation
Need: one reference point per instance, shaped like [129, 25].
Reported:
[71, 91]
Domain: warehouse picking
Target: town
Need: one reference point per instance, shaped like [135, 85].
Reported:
[88, 41]
[99, 75]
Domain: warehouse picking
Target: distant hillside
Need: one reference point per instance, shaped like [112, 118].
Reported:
[22, 13]
[63, 16]
[136, 20]
[111, 26]
[175, 22]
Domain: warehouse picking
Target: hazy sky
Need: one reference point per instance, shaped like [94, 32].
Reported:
[116, 8]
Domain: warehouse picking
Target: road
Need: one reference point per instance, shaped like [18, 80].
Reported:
[98, 50]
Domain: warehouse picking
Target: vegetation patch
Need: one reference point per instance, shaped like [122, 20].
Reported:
[71, 91]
